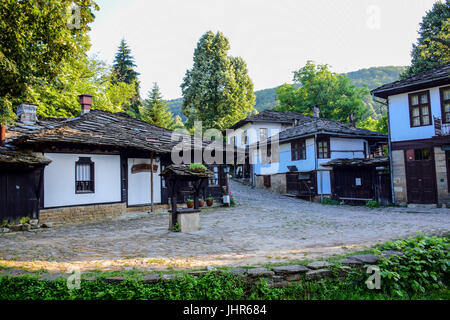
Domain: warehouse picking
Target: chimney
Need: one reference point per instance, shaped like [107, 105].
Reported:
[27, 113]
[2, 135]
[352, 120]
[85, 101]
[316, 111]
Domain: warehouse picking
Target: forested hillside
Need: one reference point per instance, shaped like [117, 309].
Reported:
[372, 77]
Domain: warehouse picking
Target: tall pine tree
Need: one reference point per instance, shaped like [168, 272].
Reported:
[154, 110]
[124, 72]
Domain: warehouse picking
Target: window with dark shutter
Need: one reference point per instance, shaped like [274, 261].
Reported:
[84, 175]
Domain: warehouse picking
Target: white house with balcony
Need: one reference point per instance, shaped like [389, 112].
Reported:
[419, 132]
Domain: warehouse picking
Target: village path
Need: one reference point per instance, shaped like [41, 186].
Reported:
[263, 227]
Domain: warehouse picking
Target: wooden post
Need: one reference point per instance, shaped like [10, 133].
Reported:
[151, 182]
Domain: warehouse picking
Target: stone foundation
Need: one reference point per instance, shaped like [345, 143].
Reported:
[277, 183]
[399, 177]
[82, 214]
[148, 208]
[441, 177]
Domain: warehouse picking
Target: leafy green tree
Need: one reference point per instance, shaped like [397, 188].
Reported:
[433, 45]
[84, 75]
[331, 92]
[217, 90]
[124, 72]
[154, 110]
[379, 125]
[35, 42]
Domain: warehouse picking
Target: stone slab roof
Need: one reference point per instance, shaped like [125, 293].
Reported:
[13, 156]
[97, 128]
[437, 76]
[309, 126]
[357, 162]
[184, 170]
[271, 116]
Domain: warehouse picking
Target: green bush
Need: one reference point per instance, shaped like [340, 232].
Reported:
[424, 264]
[372, 204]
[330, 201]
[197, 167]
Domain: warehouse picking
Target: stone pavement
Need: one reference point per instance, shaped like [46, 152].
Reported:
[264, 227]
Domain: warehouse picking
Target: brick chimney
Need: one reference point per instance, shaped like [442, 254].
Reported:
[85, 102]
[26, 113]
[2, 135]
[316, 111]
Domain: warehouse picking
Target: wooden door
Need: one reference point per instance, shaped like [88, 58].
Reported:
[420, 180]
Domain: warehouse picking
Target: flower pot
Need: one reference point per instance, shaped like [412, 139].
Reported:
[201, 203]
[190, 204]
[209, 202]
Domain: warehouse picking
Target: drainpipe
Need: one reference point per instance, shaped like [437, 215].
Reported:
[391, 167]
[2, 135]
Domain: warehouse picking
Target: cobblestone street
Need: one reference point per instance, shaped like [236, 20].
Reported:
[264, 227]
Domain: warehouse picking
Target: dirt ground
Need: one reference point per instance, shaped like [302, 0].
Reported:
[263, 227]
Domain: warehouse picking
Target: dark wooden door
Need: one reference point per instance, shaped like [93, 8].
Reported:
[354, 182]
[20, 193]
[421, 181]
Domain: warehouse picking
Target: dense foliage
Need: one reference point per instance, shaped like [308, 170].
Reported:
[372, 77]
[433, 45]
[424, 265]
[217, 90]
[316, 85]
[35, 43]
[154, 110]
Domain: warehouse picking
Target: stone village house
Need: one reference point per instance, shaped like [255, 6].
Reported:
[419, 136]
[88, 168]
[299, 166]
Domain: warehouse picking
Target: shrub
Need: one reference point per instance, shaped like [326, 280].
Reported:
[330, 201]
[423, 265]
[197, 167]
[372, 204]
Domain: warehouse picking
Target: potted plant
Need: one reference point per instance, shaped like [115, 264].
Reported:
[209, 201]
[201, 202]
[190, 203]
[225, 196]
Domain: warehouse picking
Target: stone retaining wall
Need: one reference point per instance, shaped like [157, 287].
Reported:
[148, 208]
[81, 214]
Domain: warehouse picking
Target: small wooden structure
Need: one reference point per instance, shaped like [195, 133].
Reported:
[361, 179]
[178, 177]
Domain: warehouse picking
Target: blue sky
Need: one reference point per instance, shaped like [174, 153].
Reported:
[273, 37]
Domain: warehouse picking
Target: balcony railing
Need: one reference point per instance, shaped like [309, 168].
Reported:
[441, 129]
